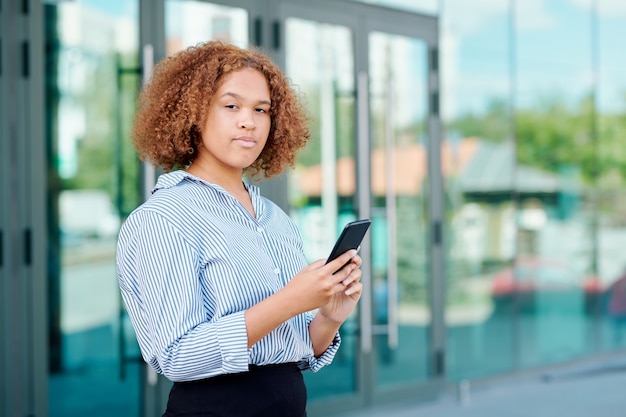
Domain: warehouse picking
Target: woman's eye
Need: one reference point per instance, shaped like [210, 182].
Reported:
[261, 110]
[231, 106]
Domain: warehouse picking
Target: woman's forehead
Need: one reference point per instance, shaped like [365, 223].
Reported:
[244, 82]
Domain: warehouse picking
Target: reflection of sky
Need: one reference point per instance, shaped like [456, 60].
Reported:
[553, 51]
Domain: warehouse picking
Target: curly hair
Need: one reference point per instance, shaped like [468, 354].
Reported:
[173, 107]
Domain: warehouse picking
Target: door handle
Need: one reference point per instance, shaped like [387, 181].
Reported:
[148, 171]
[392, 234]
[363, 186]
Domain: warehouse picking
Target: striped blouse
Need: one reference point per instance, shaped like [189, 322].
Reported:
[190, 261]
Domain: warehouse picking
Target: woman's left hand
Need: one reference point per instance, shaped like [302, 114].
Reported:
[342, 303]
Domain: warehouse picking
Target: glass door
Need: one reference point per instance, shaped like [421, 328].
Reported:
[398, 67]
[91, 88]
[367, 77]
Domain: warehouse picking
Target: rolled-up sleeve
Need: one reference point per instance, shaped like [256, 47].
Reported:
[315, 364]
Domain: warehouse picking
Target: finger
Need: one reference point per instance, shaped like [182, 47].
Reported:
[343, 275]
[355, 276]
[353, 279]
[354, 288]
[357, 260]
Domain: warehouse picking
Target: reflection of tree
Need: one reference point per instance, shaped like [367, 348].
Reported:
[493, 124]
[555, 134]
[110, 101]
[95, 149]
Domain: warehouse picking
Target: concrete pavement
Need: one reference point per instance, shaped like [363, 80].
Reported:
[593, 388]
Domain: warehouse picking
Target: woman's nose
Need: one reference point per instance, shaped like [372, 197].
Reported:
[246, 120]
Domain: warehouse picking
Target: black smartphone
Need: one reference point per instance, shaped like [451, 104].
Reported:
[350, 238]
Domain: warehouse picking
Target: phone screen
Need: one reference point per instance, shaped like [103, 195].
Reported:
[350, 238]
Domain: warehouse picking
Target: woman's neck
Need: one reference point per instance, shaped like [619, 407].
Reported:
[231, 181]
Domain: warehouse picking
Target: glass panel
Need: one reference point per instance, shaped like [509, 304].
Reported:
[478, 159]
[319, 59]
[554, 180]
[190, 22]
[399, 183]
[608, 295]
[92, 78]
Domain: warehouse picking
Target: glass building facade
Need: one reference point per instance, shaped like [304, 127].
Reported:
[533, 113]
[486, 140]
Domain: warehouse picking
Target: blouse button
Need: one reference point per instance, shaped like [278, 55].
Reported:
[276, 271]
[259, 229]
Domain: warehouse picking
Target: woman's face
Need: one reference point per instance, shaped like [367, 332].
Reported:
[238, 123]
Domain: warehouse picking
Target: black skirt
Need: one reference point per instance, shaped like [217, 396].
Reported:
[270, 390]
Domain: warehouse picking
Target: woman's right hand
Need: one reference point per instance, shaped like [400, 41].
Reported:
[316, 284]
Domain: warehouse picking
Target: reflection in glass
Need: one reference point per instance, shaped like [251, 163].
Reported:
[533, 109]
[478, 160]
[554, 178]
[398, 114]
[92, 86]
[188, 23]
[319, 59]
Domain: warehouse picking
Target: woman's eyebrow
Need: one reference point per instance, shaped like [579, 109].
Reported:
[238, 97]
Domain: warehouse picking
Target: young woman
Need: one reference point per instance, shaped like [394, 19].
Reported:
[212, 274]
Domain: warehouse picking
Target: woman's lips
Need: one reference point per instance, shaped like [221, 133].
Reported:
[246, 141]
